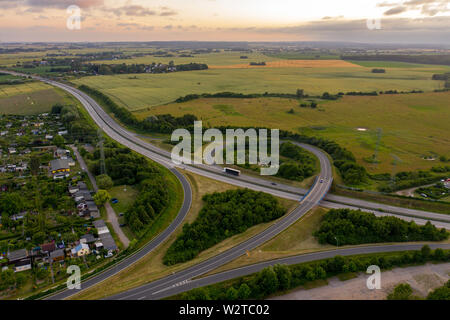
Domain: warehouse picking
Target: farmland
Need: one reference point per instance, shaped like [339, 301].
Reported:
[147, 90]
[29, 98]
[402, 134]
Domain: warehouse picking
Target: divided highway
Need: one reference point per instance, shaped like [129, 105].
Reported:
[161, 290]
[309, 199]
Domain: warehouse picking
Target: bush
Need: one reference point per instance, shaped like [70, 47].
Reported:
[345, 226]
[104, 181]
[223, 215]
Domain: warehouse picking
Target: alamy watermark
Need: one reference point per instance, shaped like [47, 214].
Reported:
[374, 281]
[74, 20]
[235, 140]
[74, 281]
[373, 24]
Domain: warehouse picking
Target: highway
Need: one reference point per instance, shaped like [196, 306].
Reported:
[160, 289]
[308, 200]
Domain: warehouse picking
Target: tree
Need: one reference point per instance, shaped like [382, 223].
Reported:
[11, 203]
[284, 276]
[104, 181]
[35, 163]
[267, 281]
[59, 141]
[39, 237]
[426, 251]
[101, 197]
[232, 293]
[244, 291]
[402, 291]
[442, 293]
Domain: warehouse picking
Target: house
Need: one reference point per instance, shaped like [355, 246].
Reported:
[61, 153]
[87, 238]
[59, 166]
[22, 265]
[81, 250]
[57, 255]
[82, 195]
[12, 150]
[93, 209]
[48, 137]
[20, 259]
[81, 185]
[63, 132]
[108, 242]
[71, 162]
[73, 189]
[48, 247]
[18, 216]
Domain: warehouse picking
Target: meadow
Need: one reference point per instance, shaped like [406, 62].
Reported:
[30, 98]
[141, 91]
[413, 126]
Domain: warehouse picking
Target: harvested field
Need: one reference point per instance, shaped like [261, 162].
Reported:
[293, 64]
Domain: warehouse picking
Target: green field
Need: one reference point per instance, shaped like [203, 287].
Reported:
[413, 125]
[393, 64]
[146, 90]
[30, 98]
[214, 58]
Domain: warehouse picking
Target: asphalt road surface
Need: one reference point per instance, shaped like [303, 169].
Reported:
[160, 289]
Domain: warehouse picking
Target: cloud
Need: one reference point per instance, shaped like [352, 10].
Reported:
[140, 11]
[63, 4]
[395, 10]
[426, 7]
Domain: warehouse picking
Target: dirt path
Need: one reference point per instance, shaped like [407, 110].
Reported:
[421, 278]
[111, 214]
[410, 192]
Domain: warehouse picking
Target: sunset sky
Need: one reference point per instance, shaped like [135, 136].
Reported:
[411, 21]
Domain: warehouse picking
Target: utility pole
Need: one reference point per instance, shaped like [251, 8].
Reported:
[377, 147]
[102, 152]
[394, 164]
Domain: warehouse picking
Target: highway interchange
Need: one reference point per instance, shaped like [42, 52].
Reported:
[183, 280]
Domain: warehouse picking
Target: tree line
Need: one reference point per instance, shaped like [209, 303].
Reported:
[125, 167]
[281, 278]
[303, 166]
[443, 59]
[345, 226]
[222, 216]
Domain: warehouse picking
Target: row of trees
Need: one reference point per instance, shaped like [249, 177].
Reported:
[271, 280]
[345, 226]
[149, 204]
[303, 166]
[403, 291]
[128, 168]
[442, 59]
[343, 159]
[108, 69]
[223, 215]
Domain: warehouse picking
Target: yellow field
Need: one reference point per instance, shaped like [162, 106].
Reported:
[293, 64]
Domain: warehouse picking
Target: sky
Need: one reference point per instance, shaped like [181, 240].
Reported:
[368, 21]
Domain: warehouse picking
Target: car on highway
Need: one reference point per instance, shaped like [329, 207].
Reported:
[321, 180]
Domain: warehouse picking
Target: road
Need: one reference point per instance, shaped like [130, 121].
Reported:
[111, 214]
[308, 201]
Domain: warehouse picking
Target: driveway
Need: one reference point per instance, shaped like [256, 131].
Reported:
[111, 214]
